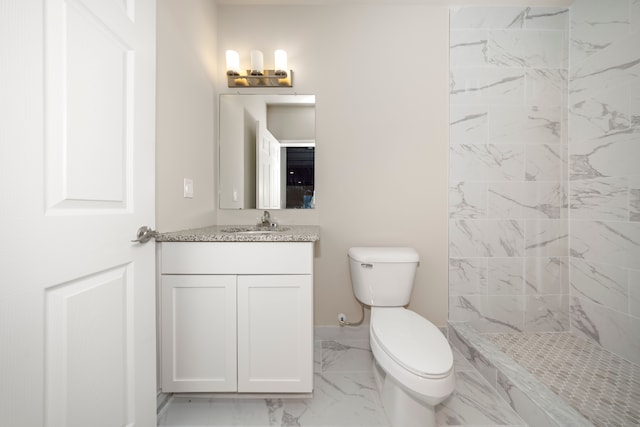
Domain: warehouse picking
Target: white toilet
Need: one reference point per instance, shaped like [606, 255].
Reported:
[414, 356]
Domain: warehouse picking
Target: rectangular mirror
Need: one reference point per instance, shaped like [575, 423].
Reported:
[267, 151]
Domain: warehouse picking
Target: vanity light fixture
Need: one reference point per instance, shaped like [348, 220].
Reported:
[257, 76]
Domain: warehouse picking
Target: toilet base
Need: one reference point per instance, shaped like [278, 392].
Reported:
[402, 408]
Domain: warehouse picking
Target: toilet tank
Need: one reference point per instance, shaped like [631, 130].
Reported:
[383, 276]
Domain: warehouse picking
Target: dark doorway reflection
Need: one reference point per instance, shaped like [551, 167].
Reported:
[300, 176]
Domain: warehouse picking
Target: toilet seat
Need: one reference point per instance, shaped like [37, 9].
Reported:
[412, 342]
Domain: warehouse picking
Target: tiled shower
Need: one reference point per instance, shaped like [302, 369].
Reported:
[508, 233]
[604, 174]
[545, 171]
[544, 211]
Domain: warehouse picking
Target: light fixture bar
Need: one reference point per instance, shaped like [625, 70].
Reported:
[270, 78]
[257, 76]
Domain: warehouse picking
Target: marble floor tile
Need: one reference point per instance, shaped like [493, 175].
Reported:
[475, 402]
[346, 356]
[183, 411]
[345, 395]
[339, 399]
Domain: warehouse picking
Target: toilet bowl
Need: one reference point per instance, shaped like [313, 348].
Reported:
[413, 360]
[417, 362]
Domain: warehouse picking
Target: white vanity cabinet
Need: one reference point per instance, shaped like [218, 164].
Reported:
[236, 317]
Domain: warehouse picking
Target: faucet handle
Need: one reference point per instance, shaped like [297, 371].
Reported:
[265, 221]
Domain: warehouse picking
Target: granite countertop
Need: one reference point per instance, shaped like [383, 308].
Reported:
[217, 233]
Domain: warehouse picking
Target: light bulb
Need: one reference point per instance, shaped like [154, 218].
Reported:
[257, 63]
[281, 62]
[233, 63]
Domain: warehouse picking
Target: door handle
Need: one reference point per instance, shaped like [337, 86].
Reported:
[145, 234]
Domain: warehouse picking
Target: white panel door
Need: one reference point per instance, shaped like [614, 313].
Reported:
[274, 171]
[267, 168]
[198, 333]
[275, 333]
[262, 167]
[77, 311]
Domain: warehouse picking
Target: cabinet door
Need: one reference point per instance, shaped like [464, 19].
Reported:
[198, 333]
[275, 334]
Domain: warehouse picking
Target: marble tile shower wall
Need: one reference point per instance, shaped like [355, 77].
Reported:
[604, 169]
[508, 231]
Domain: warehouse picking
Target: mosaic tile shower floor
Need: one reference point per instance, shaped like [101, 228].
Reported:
[600, 385]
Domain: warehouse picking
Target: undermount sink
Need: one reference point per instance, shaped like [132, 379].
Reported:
[253, 230]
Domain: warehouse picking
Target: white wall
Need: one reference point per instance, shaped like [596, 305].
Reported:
[186, 110]
[380, 76]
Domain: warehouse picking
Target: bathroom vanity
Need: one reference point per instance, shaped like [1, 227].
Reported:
[236, 310]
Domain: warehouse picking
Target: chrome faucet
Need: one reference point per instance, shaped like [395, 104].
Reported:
[265, 221]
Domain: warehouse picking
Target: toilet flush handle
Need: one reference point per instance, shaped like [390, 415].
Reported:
[365, 265]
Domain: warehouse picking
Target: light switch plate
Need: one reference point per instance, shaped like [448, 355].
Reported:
[188, 188]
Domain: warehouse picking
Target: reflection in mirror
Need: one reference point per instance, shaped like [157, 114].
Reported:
[267, 151]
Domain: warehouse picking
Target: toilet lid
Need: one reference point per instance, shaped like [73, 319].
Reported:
[412, 341]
